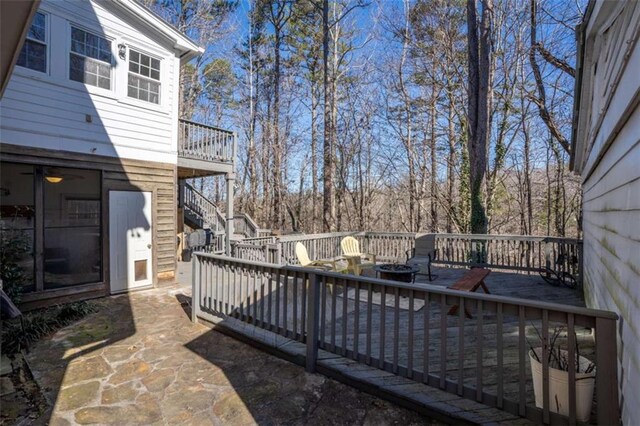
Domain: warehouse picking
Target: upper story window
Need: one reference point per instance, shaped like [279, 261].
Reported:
[90, 59]
[34, 52]
[144, 77]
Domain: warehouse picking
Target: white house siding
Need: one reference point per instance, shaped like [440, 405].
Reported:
[608, 158]
[50, 111]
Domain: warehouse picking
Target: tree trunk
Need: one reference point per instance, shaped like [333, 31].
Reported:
[479, 105]
[451, 161]
[314, 157]
[276, 144]
[434, 167]
[328, 204]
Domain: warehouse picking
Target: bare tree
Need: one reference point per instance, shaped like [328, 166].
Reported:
[479, 106]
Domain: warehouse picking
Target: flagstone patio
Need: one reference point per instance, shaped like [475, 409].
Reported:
[139, 360]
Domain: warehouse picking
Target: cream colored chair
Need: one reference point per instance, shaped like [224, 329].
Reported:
[423, 254]
[358, 260]
[303, 258]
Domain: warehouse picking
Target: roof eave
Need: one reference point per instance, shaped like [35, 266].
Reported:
[581, 30]
[181, 42]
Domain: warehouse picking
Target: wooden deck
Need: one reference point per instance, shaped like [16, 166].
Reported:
[457, 349]
[522, 286]
[392, 327]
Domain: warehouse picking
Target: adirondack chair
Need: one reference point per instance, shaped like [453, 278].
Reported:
[351, 249]
[303, 258]
[422, 254]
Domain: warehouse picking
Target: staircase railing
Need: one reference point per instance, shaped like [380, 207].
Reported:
[244, 224]
[201, 206]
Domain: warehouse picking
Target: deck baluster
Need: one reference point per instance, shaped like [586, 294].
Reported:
[396, 329]
[219, 291]
[383, 308]
[344, 319]
[479, 353]
[443, 341]
[410, 337]
[356, 321]
[461, 316]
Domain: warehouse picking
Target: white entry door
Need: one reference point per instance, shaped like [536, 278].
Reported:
[130, 231]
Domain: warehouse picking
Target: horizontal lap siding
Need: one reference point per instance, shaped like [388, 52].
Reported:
[50, 111]
[163, 181]
[611, 222]
[126, 175]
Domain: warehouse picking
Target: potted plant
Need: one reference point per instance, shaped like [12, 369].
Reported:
[558, 362]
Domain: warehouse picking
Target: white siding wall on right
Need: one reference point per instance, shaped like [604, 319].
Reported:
[609, 161]
[611, 222]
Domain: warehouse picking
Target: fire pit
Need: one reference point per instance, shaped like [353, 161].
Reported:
[396, 272]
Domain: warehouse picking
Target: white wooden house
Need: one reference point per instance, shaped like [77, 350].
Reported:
[606, 152]
[92, 148]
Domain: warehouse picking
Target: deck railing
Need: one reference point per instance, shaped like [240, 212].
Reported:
[404, 329]
[387, 246]
[243, 224]
[201, 207]
[267, 252]
[260, 240]
[319, 246]
[215, 246]
[201, 142]
[514, 253]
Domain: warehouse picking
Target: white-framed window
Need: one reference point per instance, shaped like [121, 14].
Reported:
[34, 51]
[143, 80]
[90, 59]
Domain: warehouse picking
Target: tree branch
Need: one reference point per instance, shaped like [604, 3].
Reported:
[541, 100]
[556, 62]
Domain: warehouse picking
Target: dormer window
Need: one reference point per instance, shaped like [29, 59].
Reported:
[90, 59]
[144, 77]
[34, 51]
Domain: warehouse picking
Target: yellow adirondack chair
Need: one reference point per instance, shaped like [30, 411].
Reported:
[351, 249]
[303, 258]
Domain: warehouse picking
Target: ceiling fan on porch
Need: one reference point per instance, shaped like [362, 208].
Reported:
[54, 175]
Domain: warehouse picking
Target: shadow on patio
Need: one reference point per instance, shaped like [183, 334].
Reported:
[156, 367]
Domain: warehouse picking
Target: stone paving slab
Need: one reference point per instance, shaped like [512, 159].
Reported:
[139, 360]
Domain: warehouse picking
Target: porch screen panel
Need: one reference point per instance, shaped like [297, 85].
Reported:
[17, 221]
[72, 234]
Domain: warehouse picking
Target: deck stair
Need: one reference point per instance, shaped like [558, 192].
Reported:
[202, 213]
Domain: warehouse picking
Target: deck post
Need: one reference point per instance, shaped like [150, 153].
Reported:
[607, 372]
[195, 287]
[313, 318]
[279, 253]
[231, 180]
[580, 253]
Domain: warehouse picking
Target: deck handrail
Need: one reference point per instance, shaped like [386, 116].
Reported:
[201, 206]
[219, 129]
[215, 246]
[244, 224]
[577, 310]
[313, 307]
[199, 141]
[516, 253]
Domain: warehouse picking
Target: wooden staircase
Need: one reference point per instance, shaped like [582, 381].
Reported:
[202, 213]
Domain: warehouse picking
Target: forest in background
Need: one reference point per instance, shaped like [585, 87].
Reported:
[354, 114]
